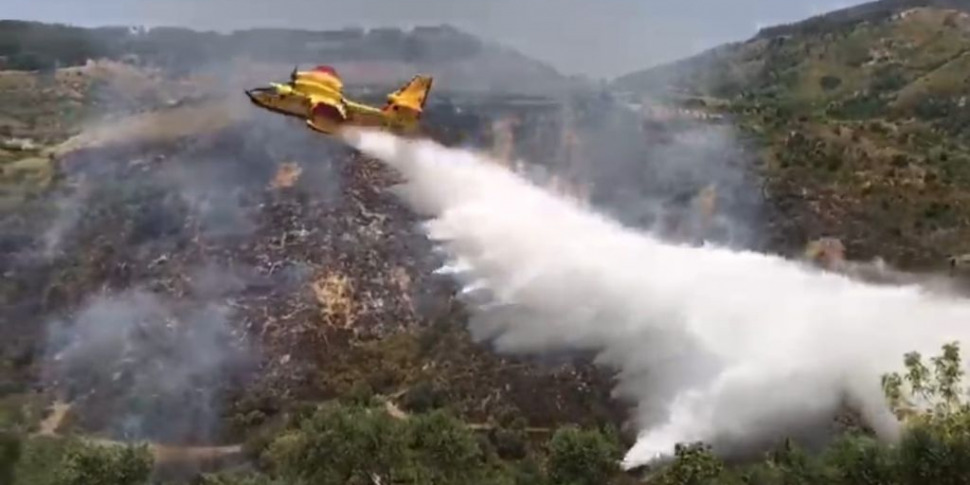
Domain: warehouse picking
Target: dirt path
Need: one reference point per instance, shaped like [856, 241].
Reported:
[394, 410]
[50, 424]
[397, 413]
[167, 458]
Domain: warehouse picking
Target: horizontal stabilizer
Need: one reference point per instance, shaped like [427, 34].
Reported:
[412, 95]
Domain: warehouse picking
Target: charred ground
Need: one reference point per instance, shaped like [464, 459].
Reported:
[197, 287]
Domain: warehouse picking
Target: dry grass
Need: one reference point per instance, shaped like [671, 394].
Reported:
[335, 294]
[287, 175]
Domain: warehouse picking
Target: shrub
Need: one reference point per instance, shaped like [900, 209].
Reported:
[829, 83]
[931, 108]
[860, 460]
[928, 396]
[352, 444]
[693, 464]
[10, 449]
[105, 465]
[509, 444]
[237, 479]
[341, 445]
[582, 457]
[889, 78]
[423, 397]
[444, 451]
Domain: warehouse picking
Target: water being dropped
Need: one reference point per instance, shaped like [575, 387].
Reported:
[725, 346]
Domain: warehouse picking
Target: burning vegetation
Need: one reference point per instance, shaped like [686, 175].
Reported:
[196, 277]
[232, 291]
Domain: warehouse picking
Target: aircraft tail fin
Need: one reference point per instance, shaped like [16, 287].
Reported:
[412, 96]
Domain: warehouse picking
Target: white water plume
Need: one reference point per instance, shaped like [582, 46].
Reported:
[713, 344]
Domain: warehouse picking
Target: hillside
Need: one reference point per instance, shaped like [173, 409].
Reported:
[183, 270]
[459, 60]
[862, 117]
[872, 11]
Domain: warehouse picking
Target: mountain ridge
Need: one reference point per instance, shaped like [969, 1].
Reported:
[383, 54]
[818, 24]
[863, 124]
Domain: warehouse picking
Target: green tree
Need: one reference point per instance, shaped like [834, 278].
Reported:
[693, 464]
[423, 397]
[860, 460]
[526, 472]
[935, 447]
[445, 451]
[10, 450]
[510, 444]
[104, 465]
[930, 396]
[829, 83]
[237, 479]
[583, 457]
[342, 445]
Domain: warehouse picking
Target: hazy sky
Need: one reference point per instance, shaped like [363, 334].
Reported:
[600, 38]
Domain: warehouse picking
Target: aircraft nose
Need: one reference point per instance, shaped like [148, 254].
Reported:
[255, 93]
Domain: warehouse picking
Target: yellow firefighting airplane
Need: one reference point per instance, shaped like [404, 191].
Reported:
[316, 96]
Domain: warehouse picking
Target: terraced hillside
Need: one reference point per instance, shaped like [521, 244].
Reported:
[863, 120]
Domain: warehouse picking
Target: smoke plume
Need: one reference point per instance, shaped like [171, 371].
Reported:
[151, 366]
[729, 347]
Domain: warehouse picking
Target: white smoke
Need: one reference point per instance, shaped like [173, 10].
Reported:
[713, 344]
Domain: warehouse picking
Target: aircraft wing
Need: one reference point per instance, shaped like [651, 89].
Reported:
[326, 94]
[332, 110]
